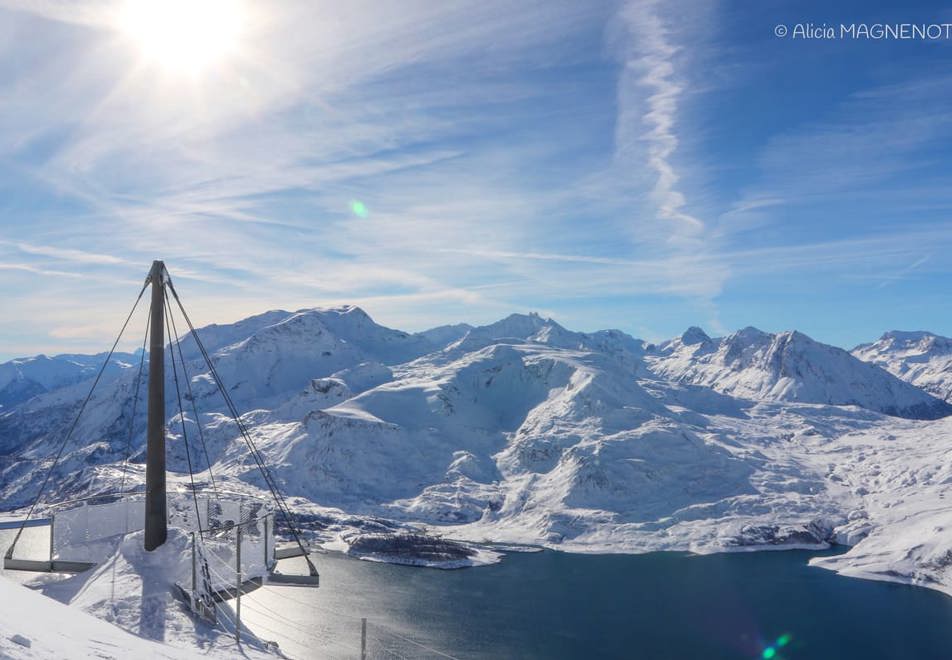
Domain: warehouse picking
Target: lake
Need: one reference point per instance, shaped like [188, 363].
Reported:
[559, 605]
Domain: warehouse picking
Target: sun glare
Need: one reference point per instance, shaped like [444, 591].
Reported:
[183, 36]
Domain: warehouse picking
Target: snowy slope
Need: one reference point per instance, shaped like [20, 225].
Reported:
[789, 366]
[445, 334]
[122, 608]
[900, 528]
[528, 432]
[54, 631]
[920, 358]
[217, 336]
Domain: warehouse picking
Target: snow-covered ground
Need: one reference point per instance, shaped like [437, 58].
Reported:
[525, 432]
[32, 626]
[126, 606]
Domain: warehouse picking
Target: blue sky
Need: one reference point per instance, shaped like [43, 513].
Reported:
[643, 165]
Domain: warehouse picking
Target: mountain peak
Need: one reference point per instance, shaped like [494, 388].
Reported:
[694, 335]
[907, 335]
[918, 357]
[795, 336]
[335, 310]
[749, 333]
[533, 318]
[516, 325]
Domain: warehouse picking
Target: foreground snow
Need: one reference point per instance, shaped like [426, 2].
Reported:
[34, 626]
[133, 589]
[525, 432]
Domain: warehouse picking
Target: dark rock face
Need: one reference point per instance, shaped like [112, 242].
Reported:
[817, 532]
[409, 546]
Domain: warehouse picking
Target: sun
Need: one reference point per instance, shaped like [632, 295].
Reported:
[183, 36]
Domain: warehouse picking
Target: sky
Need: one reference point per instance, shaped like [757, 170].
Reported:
[645, 166]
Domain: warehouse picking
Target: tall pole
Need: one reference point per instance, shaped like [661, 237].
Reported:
[155, 505]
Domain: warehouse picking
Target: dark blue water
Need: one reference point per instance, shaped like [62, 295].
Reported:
[662, 605]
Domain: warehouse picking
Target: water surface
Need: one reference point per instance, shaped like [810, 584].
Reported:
[559, 605]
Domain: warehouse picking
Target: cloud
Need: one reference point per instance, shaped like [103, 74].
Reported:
[650, 65]
[654, 170]
[65, 254]
[90, 13]
[28, 268]
[889, 278]
[878, 145]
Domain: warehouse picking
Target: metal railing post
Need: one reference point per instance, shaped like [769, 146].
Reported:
[267, 518]
[194, 577]
[238, 586]
[52, 527]
[363, 638]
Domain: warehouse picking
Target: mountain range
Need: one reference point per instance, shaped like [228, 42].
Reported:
[524, 431]
[920, 358]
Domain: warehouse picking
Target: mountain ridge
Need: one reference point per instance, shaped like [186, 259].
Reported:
[20, 380]
[918, 357]
[524, 431]
[789, 366]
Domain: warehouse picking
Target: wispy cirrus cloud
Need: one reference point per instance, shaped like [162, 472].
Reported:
[649, 65]
[36, 270]
[655, 138]
[879, 146]
[65, 254]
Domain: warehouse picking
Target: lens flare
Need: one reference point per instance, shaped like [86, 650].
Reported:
[358, 208]
[771, 651]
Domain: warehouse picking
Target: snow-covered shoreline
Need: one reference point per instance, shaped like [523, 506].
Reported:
[842, 563]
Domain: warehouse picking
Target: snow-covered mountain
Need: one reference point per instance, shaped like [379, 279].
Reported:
[789, 366]
[445, 334]
[525, 431]
[920, 358]
[533, 329]
[279, 358]
[24, 378]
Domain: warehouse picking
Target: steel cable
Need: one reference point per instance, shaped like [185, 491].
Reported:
[255, 453]
[72, 427]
